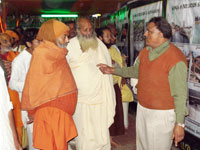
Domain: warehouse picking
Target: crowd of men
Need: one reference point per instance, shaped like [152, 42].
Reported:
[64, 86]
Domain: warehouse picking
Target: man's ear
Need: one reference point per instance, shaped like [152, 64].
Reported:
[161, 35]
[28, 44]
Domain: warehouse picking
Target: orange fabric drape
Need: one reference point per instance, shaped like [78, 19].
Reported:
[14, 97]
[51, 30]
[50, 95]
[48, 78]
[58, 128]
[11, 55]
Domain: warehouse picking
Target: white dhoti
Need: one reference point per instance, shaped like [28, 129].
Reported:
[154, 128]
[125, 106]
[30, 137]
[29, 128]
[93, 134]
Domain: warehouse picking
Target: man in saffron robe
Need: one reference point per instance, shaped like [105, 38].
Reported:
[50, 92]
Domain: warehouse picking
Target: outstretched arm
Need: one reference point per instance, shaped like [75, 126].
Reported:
[127, 72]
[105, 69]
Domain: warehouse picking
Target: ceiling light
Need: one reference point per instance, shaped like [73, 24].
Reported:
[96, 15]
[58, 11]
[59, 15]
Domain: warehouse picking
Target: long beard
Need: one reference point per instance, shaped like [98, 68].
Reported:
[87, 42]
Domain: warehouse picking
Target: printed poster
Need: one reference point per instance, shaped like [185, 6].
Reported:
[184, 17]
[139, 19]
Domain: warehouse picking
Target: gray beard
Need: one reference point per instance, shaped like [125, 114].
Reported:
[87, 42]
[61, 45]
[5, 50]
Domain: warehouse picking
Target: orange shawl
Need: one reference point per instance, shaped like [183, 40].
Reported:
[14, 97]
[48, 78]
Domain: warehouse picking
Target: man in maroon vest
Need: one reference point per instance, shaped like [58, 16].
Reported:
[161, 70]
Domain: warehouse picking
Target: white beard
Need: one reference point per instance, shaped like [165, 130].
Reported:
[87, 42]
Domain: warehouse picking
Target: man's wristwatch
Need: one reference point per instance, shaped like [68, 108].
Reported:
[181, 125]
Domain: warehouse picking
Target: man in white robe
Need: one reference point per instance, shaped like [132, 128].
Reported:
[96, 98]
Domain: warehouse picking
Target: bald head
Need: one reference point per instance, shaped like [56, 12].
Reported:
[84, 27]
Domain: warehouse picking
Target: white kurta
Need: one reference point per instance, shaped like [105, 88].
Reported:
[96, 98]
[6, 138]
[20, 67]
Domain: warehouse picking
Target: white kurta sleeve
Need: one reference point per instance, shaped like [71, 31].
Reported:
[16, 83]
